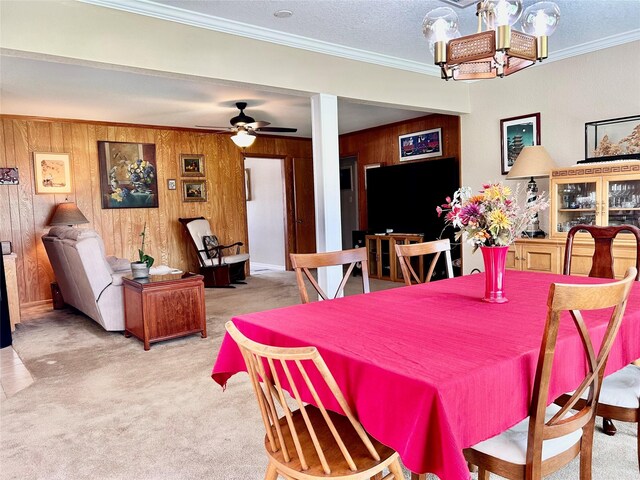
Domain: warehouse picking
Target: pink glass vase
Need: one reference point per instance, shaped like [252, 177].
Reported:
[494, 266]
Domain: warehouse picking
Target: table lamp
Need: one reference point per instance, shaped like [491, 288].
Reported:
[67, 213]
[532, 162]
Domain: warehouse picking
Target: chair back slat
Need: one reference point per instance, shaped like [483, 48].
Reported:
[303, 262]
[405, 252]
[602, 261]
[268, 367]
[573, 298]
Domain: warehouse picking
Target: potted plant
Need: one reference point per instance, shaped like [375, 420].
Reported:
[140, 268]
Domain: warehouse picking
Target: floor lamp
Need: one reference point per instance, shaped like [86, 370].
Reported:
[532, 162]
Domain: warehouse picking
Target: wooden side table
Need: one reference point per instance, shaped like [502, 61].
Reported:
[164, 306]
[11, 277]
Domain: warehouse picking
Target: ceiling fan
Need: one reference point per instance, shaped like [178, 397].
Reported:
[246, 127]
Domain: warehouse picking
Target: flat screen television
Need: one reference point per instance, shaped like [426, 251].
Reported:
[404, 198]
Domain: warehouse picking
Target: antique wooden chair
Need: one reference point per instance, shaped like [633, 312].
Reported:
[405, 252]
[302, 262]
[552, 436]
[614, 403]
[311, 441]
[218, 267]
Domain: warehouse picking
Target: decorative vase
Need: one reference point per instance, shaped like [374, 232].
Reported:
[494, 267]
[139, 270]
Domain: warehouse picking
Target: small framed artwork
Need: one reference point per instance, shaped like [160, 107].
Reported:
[128, 176]
[419, 145]
[515, 134]
[171, 184]
[194, 191]
[192, 165]
[52, 172]
[247, 184]
[368, 167]
[9, 176]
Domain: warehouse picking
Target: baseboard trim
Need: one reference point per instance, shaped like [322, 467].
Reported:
[266, 266]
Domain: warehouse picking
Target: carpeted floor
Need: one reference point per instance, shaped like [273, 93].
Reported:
[103, 408]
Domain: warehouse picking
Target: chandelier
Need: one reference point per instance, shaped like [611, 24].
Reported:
[497, 51]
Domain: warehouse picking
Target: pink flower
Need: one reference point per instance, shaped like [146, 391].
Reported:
[439, 210]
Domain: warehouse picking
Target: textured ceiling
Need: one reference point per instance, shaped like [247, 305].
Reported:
[383, 28]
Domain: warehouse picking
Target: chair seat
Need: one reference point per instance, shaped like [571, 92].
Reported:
[621, 389]
[511, 445]
[227, 259]
[339, 466]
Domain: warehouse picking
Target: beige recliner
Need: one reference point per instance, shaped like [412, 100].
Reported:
[88, 279]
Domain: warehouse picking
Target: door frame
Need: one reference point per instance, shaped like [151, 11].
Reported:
[352, 162]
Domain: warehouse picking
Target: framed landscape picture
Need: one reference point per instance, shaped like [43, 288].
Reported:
[515, 134]
[419, 145]
[128, 176]
[192, 165]
[52, 172]
[194, 190]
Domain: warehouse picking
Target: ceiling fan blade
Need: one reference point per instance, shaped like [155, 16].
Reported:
[256, 125]
[277, 129]
[226, 129]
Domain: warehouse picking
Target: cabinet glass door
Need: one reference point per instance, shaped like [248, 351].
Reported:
[576, 204]
[372, 248]
[623, 202]
[385, 257]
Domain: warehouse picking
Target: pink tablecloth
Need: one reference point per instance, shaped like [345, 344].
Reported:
[430, 369]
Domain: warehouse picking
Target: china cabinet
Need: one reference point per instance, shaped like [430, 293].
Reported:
[383, 262]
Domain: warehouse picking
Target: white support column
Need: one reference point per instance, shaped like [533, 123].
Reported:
[326, 176]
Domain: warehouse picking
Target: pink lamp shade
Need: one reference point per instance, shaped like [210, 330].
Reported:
[67, 214]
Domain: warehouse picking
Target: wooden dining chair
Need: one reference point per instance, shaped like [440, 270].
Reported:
[309, 442]
[405, 252]
[303, 262]
[552, 436]
[615, 402]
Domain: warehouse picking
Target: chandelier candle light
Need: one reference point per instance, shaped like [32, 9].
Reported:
[497, 51]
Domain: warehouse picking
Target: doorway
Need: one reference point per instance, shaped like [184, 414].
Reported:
[264, 183]
[349, 211]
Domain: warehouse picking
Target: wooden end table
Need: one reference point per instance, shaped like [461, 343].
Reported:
[161, 307]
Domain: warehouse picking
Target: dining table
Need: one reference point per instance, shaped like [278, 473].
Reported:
[431, 369]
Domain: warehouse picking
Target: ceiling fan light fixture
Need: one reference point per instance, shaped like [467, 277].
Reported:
[243, 139]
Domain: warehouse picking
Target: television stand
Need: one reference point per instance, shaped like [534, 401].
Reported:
[381, 251]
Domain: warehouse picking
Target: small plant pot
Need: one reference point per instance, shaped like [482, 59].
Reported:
[139, 270]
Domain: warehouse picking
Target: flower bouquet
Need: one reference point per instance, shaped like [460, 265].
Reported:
[491, 219]
[141, 174]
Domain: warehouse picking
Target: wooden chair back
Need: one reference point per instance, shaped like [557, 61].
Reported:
[303, 262]
[405, 252]
[602, 263]
[574, 299]
[270, 367]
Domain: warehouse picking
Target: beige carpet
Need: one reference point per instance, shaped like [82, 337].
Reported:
[103, 408]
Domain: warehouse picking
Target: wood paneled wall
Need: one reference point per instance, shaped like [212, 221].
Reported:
[24, 215]
[380, 145]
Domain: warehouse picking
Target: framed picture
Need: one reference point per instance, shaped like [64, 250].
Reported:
[192, 165]
[194, 191]
[419, 145]
[247, 184]
[369, 167]
[128, 176]
[9, 176]
[171, 184]
[515, 134]
[52, 172]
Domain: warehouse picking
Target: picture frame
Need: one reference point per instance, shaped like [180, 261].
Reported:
[247, 184]
[192, 165]
[369, 167]
[52, 172]
[515, 134]
[194, 190]
[171, 184]
[9, 176]
[128, 175]
[420, 145]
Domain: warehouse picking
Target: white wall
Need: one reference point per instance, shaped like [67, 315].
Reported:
[265, 212]
[569, 93]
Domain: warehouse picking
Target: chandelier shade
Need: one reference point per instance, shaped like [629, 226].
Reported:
[496, 52]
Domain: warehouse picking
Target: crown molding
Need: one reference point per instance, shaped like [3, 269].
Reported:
[179, 15]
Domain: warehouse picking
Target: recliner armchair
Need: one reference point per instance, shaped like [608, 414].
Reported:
[219, 269]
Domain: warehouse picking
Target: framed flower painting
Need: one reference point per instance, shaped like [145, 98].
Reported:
[128, 175]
